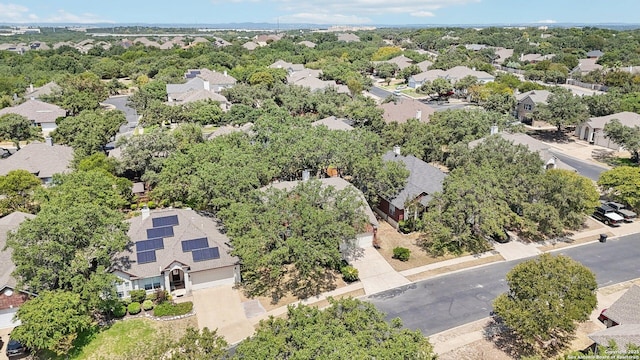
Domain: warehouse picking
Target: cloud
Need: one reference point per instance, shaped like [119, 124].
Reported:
[12, 13]
[546, 22]
[353, 11]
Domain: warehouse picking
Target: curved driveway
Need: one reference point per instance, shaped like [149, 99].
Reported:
[447, 301]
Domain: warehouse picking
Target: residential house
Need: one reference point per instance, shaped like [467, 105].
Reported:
[402, 109]
[502, 55]
[44, 90]
[193, 84]
[550, 161]
[250, 45]
[146, 42]
[10, 297]
[535, 58]
[230, 129]
[199, 83]
[289, 67]
[401, 61]
[453, 75]
[475, 47]
[348, 37]
[177, 250]
[424, 65]
[526, 104]
[217, 80]
[315, 84]
[586, 66]
[308, 44]
[594, 54]
[334, 123]
[40, 113]
[199, 95]
[363, 240]
[41, 159]
[622, 319]
[424, 180]
[294, 76]
[266, 39]
[592, 130]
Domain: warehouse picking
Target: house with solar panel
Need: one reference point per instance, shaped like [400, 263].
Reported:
[177, 250]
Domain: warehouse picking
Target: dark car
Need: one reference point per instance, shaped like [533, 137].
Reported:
[608, 215]
[15, 348]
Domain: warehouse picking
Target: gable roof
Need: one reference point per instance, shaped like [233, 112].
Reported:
[9, 223]
[333, 123]
[191, 226]
[424, 65]
[588, 65]
[36, 111]
[403, 109]
[626, 310]
[458, 72]
[623, 335]
[503, 54]
[196, 95]
[45, 89]
[348, 37]
[537, 96]
[195, 83]
[626, 118]
[337, 183]
[401, 60]
[424, 180]
[297, 75]
[290, 67]
[213, 77]
[230, 129]
[40, 159]
[595, 53]
[308, 44]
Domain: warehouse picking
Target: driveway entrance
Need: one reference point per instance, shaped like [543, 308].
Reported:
[220, 308]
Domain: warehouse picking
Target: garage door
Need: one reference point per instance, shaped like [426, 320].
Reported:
[6, 318]
[212, 278]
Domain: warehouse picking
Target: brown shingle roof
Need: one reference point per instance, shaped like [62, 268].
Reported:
[40, 159]
[333, 123]
[191, 226]
[403, 109]
[36, 111]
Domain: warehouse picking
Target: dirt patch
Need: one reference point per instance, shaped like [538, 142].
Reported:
[390, 238]
[478, 350]
[324, 303]
[446, 269]
[268, 304]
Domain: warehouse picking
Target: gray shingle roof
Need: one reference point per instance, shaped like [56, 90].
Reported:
[626, 118]
[333, 123]
[40, 159]
[214, 77]
[626, 310]
[193, 84]
[623, 335]
[9, 223]
[424, 179]
[337, 183]
[191, 226]
[196, 95]
[36, 111]
[537, 96]
[403, 109]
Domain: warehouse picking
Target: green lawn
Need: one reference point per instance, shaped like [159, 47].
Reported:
[135, 338]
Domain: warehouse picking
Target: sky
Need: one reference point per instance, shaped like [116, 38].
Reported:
[329, 12]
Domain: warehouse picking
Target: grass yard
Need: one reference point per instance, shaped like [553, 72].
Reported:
[129, 339]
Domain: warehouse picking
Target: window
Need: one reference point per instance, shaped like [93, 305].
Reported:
[120, 294]
[392, 210]
[528, 107]
[148, 286]
[156, 285]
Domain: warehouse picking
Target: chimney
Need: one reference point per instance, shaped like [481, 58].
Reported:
[494, 129]
[32, 98]
[396, 150]
[145, 212]
[30, 88]
[306, 175]
[48, 140]
[207, 86]
[225, 73]
[419, 114]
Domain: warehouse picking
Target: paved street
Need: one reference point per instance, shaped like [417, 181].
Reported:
[588, 169]
[452, 300]
[380, 92]
[120, 103]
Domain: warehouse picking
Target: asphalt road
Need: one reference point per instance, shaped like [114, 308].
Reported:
[380, 92]
[592, 171]
[442, 303]
[120, 102]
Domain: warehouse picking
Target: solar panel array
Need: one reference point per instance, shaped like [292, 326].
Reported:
[160, 232]
[145, 257]
[151, 244]
[205, 254]
[194, 244]
[165, 221]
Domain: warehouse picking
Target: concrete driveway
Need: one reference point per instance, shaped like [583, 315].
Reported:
[375, 272]
[220, 308]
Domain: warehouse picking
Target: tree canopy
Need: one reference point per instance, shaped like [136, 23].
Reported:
[18, 188]
[89, 131]
[562, 109]
[626, 136]
[348, 329]
[16, 128]
[621, 184]
[547, 297]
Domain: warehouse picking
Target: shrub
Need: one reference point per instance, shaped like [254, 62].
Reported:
[159, 296]
[401, 253]
[119, 310]
[151, 205]
[133, 308]
[170, 309]
[349, 273]
[134, 206]
[147, 305]
[138, 295]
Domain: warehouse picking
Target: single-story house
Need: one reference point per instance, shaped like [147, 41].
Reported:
[315, 84]
[46, 89]
[348, 37]
[41, 159]
[424, 180]
[334, 123]
[230, 129]
[308, 44]
[364, 239]
[177, 250]
[199, 95]
[594, 54]
[475, 47]
[403, 109]
[502, 54]
[424, 65]
[534, 145]
[265, 39]
[593, 129]
[586, 66]
[401, 61]
[10, 297]
[453, 75]
[40, 113]
[526, 103]
[287, 66]
[535, 58]
[622, 319]
[250, 45]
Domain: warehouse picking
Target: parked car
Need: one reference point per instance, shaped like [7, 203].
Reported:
[15, 348]
[627, 214]
[608, 215]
